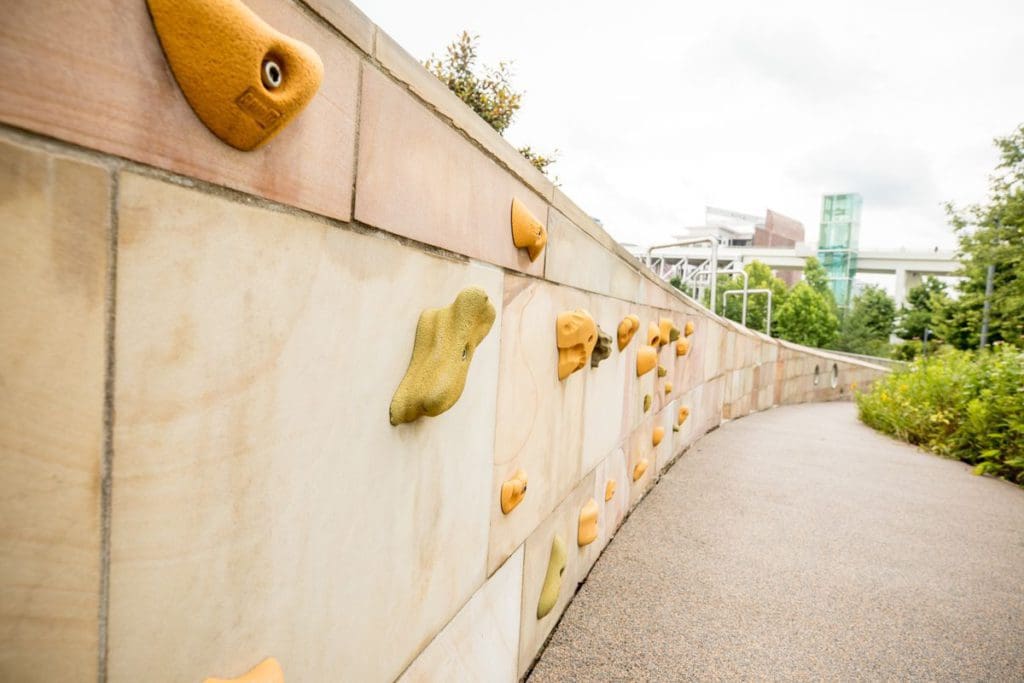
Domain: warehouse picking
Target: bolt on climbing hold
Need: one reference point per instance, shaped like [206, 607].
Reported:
[442, 351]
[245, 80]
[575, 337]
[588, 524]
[267, 671]
[553, 578]
[627, 328]
[513, 491]
[646, 359]
[527, 232]
[602, 349]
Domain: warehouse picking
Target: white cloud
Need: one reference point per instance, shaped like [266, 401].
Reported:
[661, 108]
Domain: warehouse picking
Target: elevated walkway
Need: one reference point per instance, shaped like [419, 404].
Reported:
[798, 544]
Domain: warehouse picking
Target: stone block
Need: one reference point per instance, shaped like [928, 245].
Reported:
[54, 245]
[575, 258]
[539, 418]
[421, 179]
[563, 521]
[94, 74]
[482, 642]
[264, 504]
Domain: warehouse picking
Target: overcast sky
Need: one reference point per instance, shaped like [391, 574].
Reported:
[661, 108]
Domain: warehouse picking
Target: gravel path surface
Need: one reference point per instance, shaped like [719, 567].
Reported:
[798, 544]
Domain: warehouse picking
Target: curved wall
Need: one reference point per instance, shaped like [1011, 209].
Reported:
[201, 346]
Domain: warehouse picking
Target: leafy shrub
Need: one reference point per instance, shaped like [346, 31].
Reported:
[966, 405]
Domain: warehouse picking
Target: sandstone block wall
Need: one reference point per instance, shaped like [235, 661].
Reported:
[200, 346]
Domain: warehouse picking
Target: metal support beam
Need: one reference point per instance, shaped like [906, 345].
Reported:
[713, 241]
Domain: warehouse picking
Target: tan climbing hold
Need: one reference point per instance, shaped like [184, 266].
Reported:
[653, 334]
[442, 351]
[588, 524]
[658, 435]
[688, 328]
[646, 359]
[527, 232]
[602, 349]
[627, 328]
[682, 347]
[668, 387]
[513, 491]
[684, 413]
[267, 671]
[609, 490]
[243, 79]
[647, 402]
[639, 470]
[553, 578]
[575, 336]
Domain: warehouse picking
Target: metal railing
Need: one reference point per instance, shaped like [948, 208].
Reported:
[768, 319]
[713, 241]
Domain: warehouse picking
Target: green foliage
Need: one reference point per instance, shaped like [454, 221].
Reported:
[924, 309]
[817, 277]
[540, 161]
[488, 91]
[960, 404]
[807, 317]
[759, 276]
[912, 348]
[991, 233]
[867, 325]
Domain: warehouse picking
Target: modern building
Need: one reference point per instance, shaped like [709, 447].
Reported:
[737, 229]
[839, 242]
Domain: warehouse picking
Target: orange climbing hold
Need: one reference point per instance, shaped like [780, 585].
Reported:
[243, 79]
[267, 671]
[527, 232]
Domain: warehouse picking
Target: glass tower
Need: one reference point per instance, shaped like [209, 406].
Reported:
[838, 242]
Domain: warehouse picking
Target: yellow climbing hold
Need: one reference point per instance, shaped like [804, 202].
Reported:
[627, 328]
[513, 491]
[553, 578]
[445, 341]
[588, 524]
[575, 336]
[640, 468]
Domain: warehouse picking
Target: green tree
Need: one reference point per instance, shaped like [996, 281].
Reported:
[991, 233]
[867, 325]
[807, 317]
[488, 91]
[817, 277]
[760, 277]
[925, 305]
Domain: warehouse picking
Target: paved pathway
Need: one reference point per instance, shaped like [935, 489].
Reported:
[799, 544]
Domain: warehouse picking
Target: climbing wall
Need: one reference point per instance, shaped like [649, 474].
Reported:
[348, 392]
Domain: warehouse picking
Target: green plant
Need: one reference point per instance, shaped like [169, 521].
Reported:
[807, 317]
[991, 234]
[487, 91]
[867, 325]
[923, 309]
[759, 276]
[966, 405]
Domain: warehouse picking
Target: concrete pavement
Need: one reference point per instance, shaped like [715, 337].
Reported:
[798, 544]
